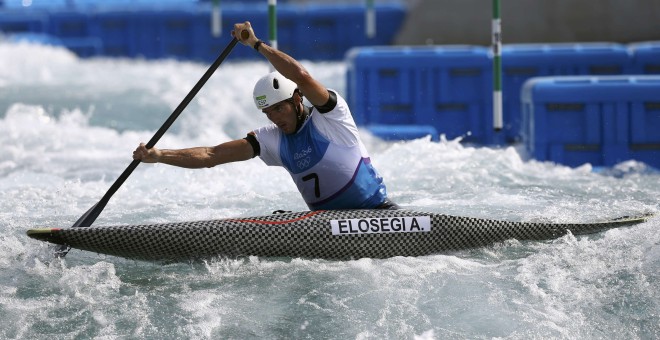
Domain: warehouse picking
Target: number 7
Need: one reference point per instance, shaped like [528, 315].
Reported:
[315, 177]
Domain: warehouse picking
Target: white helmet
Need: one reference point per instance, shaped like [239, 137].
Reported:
[272, 88]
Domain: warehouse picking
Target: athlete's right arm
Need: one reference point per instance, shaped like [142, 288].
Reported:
[312, 89]
[197, 157]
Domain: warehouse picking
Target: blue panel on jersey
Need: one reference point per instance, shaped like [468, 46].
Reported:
[302, 150]
[365, 185]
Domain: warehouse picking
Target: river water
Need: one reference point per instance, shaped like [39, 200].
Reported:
[68, 128]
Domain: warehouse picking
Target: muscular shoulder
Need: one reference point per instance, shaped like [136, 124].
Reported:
[269, 138]
[337, 124]
[335, 108]
[329, 105]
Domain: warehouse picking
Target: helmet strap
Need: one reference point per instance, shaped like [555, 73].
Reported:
[302, 113]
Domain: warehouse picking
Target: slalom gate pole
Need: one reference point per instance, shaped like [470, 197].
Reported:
[272, 23]
[370, 20]
[216, 19]
[497, 66]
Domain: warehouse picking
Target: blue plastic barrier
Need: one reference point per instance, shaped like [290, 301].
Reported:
[448, 87]
[645, 57]
[206, 47]
[328, 31]
[145, 34]
[521, 62]
[68, 24]
[19, 21]
[96, 4]
[20, 4]
[403, 132]
[36, 38]
[116, 30]
[182, 29]
[84, 47]
[123, 3]
[599, 120]
[165, 34]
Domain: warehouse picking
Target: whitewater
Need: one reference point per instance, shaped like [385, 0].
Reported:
[68, 127]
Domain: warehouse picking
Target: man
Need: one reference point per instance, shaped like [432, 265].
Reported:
[319, 146]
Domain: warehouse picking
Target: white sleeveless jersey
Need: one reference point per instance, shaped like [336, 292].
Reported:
[326, 159]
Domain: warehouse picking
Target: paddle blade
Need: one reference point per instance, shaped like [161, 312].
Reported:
[90, 216]
[84, 221]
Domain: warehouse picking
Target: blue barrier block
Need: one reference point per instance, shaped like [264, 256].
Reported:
[389, 19]
[84, 47]
[126, 4]
[377, 89]
[176, 33]
[521, 62]
[206, 47]
[36, 38]
[21, 4]
[182, 29]
[117, 31]
[288, 34]
[329, 31]
[599, 120]
[251, 2]
[645, 57]
[403, 132]
[21, 21]
[65, 24]
[447, 87]
[315, 32]
[164, 34]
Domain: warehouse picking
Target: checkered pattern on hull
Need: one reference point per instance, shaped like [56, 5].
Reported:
[308, 235]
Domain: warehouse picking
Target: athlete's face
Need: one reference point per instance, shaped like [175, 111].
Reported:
[283, 114]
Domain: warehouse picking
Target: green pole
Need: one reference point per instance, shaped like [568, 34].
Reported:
[272, 22]
[216, 19]
[497, 66]
[370, 20]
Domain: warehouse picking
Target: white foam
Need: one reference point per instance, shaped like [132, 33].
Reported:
[58, 156]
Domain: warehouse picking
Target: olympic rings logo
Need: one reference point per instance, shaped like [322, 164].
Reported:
[303, 163]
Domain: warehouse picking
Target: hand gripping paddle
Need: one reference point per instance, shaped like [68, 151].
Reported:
[90, 216]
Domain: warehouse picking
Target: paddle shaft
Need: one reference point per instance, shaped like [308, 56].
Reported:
[90, 216]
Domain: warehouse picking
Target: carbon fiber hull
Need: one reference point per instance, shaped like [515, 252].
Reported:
[343, 234]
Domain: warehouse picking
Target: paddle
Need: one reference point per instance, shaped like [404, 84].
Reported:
[90, 216]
